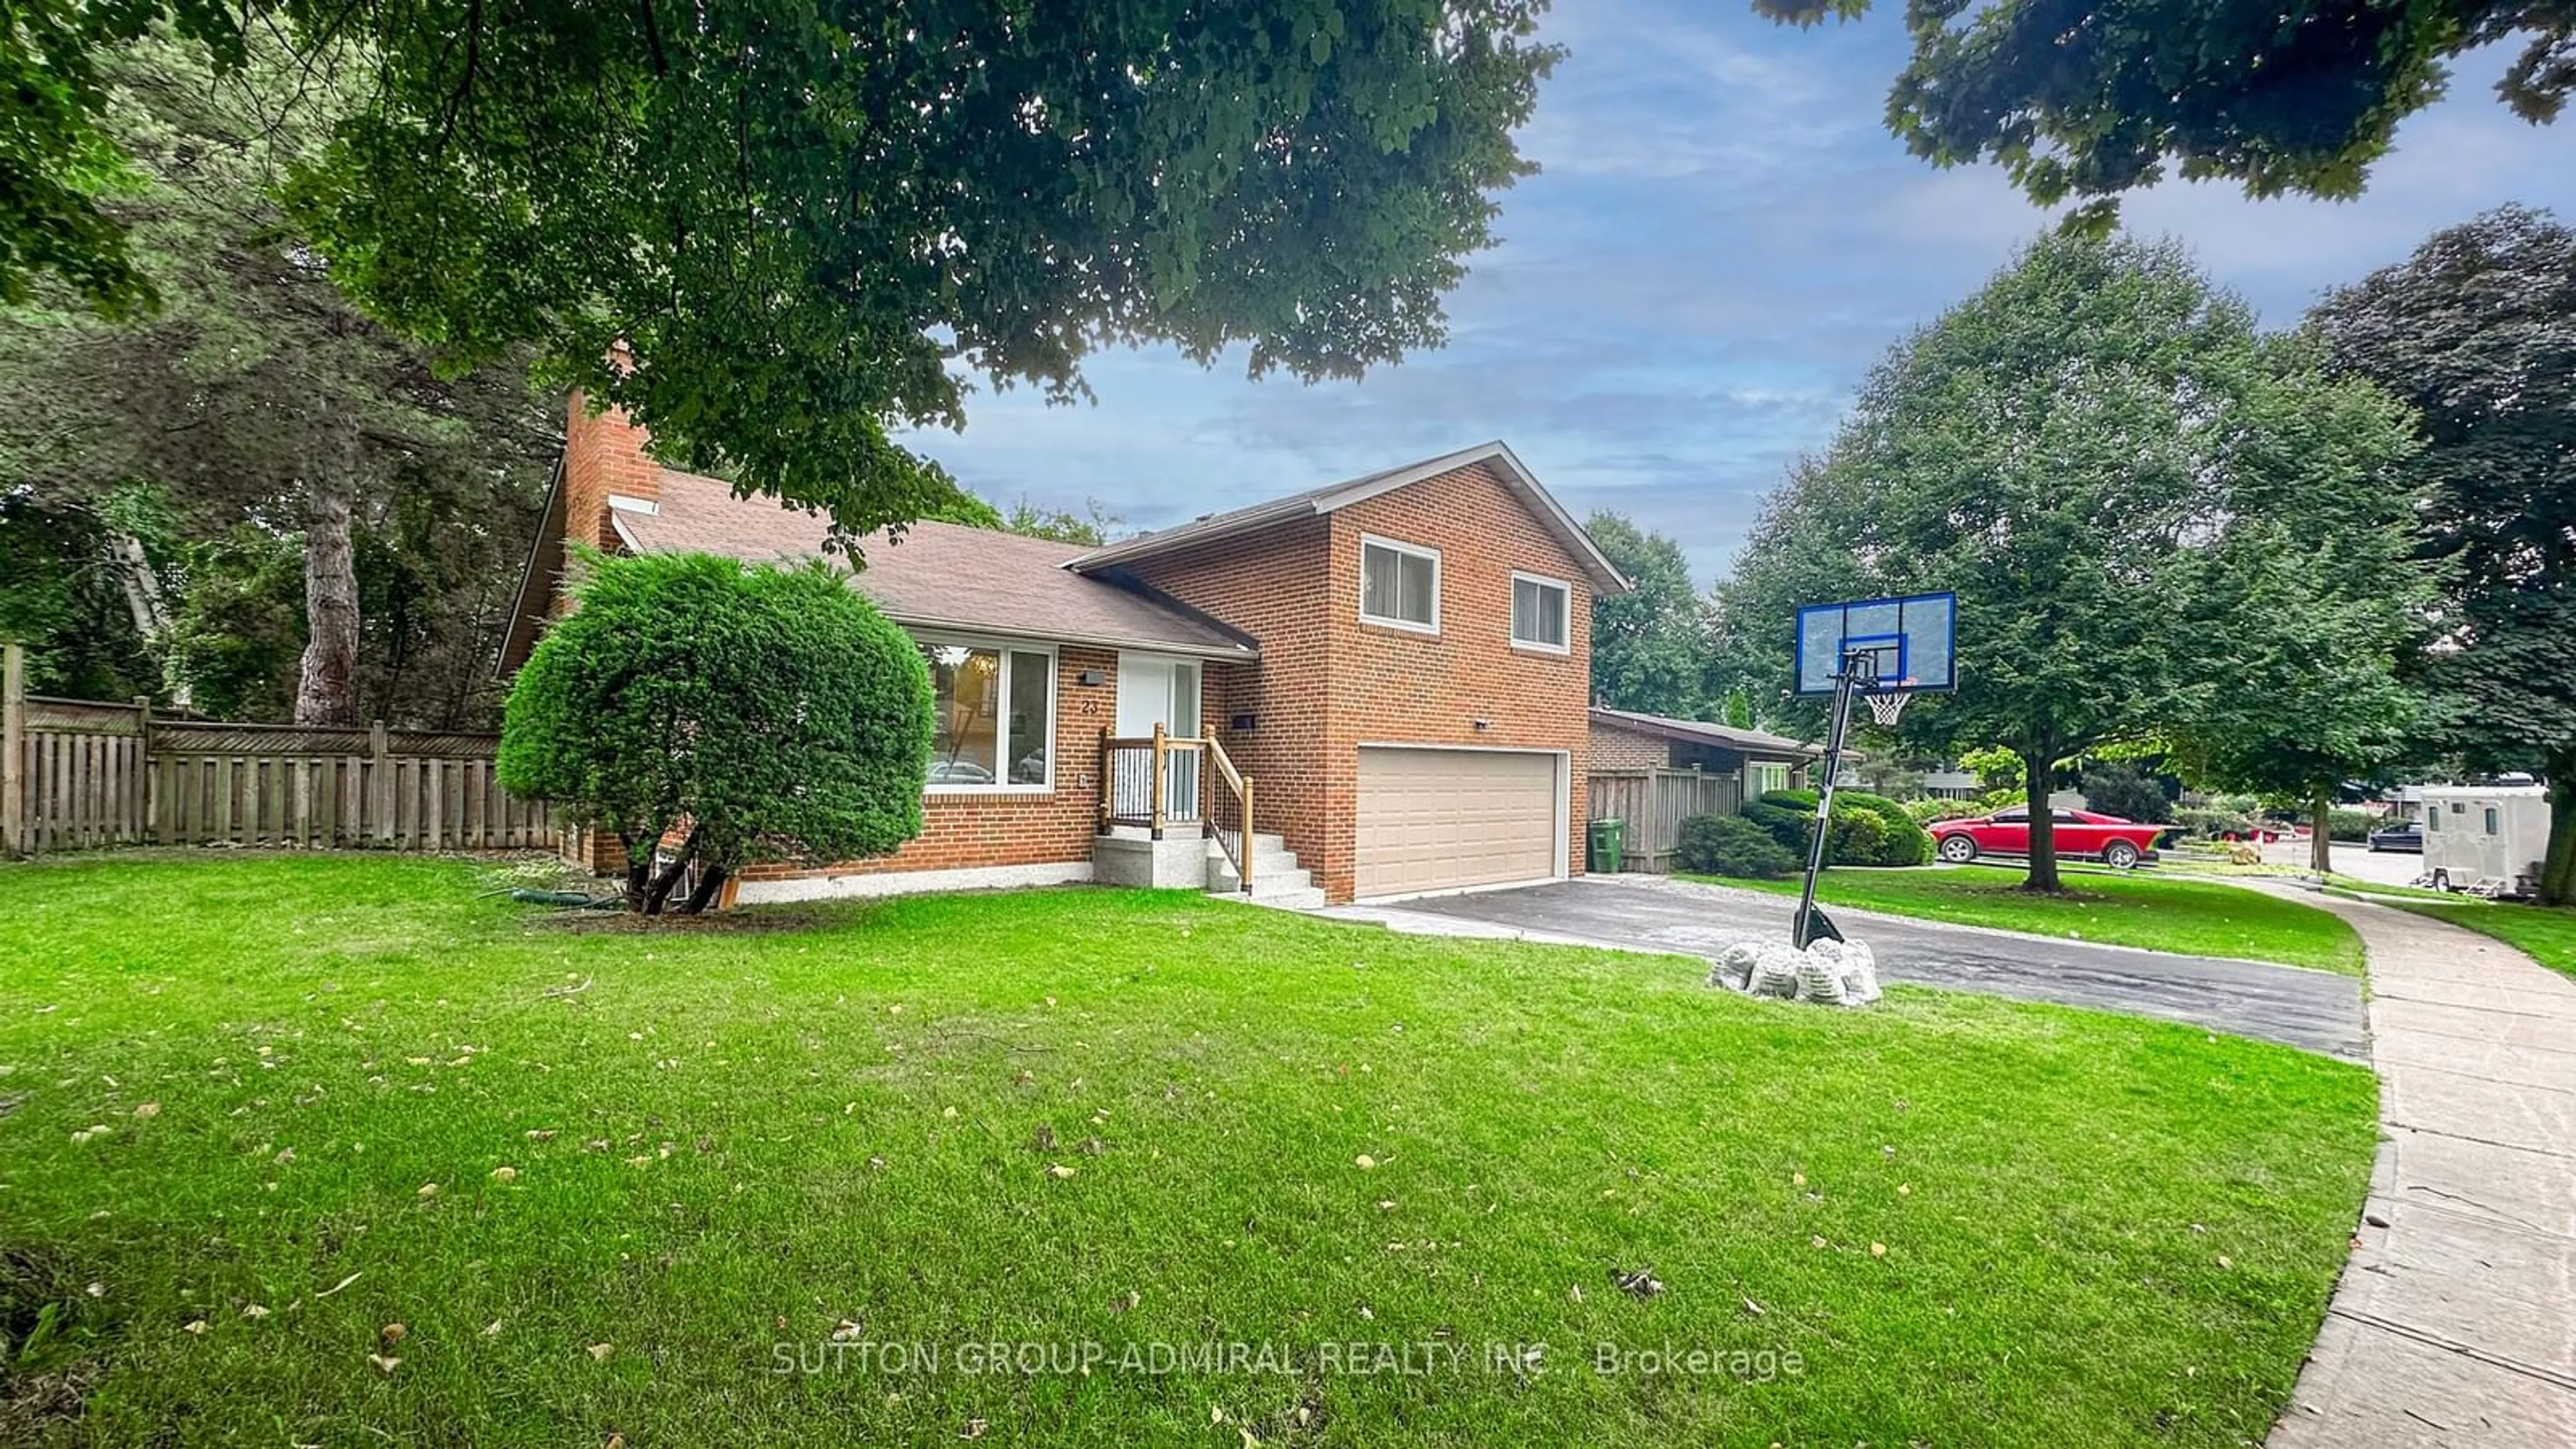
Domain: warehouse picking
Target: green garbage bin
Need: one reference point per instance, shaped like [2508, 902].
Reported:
[1603, 857]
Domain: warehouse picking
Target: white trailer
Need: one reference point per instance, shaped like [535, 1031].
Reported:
[2486, 838]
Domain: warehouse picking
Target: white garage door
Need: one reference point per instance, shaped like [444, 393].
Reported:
[1437, 819]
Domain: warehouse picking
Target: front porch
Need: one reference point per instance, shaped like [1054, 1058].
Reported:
[1176, 814]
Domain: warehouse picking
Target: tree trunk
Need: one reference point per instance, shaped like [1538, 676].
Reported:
[2321, 834]
[669, 876]
[327, 694]
[2558, 862]
[2039, 772]
[710, 880]
[639, 868]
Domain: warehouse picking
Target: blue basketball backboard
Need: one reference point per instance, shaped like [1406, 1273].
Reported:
[1896, 646]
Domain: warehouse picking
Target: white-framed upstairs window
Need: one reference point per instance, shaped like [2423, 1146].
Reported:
[1399, 585]
[992, 717]
[1542, 613]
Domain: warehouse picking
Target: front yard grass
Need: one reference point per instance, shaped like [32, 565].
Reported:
[622, 1183]
[2545, 934]
[2192, 917]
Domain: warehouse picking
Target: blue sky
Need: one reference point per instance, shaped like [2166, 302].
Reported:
[1722, 240]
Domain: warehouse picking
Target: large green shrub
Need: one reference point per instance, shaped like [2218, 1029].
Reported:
[2119, 789]
[2351, 826]
[772, 713]
[1731, 845]
[1867, 829]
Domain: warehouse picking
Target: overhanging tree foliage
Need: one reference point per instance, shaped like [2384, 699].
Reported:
[1648, 643]
[772, 713]
[256, 415]
[2089, 101]
[799, 216]
[2320, 702]
[2478, 332]
[2095, 452]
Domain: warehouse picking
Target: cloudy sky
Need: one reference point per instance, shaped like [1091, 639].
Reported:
[1722, 239]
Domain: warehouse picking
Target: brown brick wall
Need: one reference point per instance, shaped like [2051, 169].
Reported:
[1265, 584]
[1393, 685]
[603, 454]
[1327, 682]
[1617, 748]
[967, 831]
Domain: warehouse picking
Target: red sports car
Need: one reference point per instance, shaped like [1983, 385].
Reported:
[2117, 843]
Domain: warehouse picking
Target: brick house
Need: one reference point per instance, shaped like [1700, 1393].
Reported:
[1392, 671]
[1628, 740]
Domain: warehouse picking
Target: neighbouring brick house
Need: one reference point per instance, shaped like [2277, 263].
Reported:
[1627, 740]
[1395, 670]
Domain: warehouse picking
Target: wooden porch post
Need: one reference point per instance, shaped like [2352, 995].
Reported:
[1108, 783]
[13, 749]
[1156, 788]
[1249, 848]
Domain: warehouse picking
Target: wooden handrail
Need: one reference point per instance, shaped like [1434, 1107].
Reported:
[1240, 851]
[1225, 764]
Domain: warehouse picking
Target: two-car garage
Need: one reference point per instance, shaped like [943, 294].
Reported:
[1444, 818]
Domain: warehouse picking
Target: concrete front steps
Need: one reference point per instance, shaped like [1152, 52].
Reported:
[1131, 857]
[1277, 878]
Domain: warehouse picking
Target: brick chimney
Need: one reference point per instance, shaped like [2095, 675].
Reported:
[605, 467]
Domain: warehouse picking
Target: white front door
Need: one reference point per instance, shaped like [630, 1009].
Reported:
[1154, 691]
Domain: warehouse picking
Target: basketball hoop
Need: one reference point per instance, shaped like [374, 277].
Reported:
[1886, 708]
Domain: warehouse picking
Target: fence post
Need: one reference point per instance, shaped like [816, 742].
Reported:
[13, 749]
[380, 784]
[139, 800]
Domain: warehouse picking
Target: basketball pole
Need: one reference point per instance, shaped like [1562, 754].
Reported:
[1812, 924]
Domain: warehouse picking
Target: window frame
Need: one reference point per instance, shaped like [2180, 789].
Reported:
[1511, 614]
[1413, 550]
[1002, 739]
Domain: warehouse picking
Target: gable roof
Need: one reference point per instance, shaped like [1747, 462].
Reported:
[1752, 742]
[1498, 460]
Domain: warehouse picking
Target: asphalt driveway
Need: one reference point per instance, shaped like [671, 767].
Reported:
[2313, 1009]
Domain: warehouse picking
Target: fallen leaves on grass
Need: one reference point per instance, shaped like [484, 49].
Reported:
[1059, 1171]
[602, 1352]
[385, 1363]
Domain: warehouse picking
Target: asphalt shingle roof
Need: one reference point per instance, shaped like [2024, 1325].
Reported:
[937, 576]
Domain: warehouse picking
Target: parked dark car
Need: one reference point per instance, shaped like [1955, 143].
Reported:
[2404, 835]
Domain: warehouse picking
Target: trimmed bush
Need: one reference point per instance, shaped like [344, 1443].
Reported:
[2210, 823]
[2352, 826]
[770, 714]
[2119, 789]
[1867, 829]
[1731, 845]
[1924, 812]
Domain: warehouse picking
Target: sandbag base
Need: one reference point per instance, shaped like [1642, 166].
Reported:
[1830, 973]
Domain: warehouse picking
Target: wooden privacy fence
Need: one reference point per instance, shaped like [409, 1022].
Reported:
[79, 775]
[1654, 803]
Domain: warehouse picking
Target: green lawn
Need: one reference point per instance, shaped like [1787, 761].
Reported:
[2546, 935]
[2194, 917]
[1971, 1220]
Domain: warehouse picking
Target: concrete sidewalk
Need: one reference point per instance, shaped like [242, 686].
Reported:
[2455, 1322]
